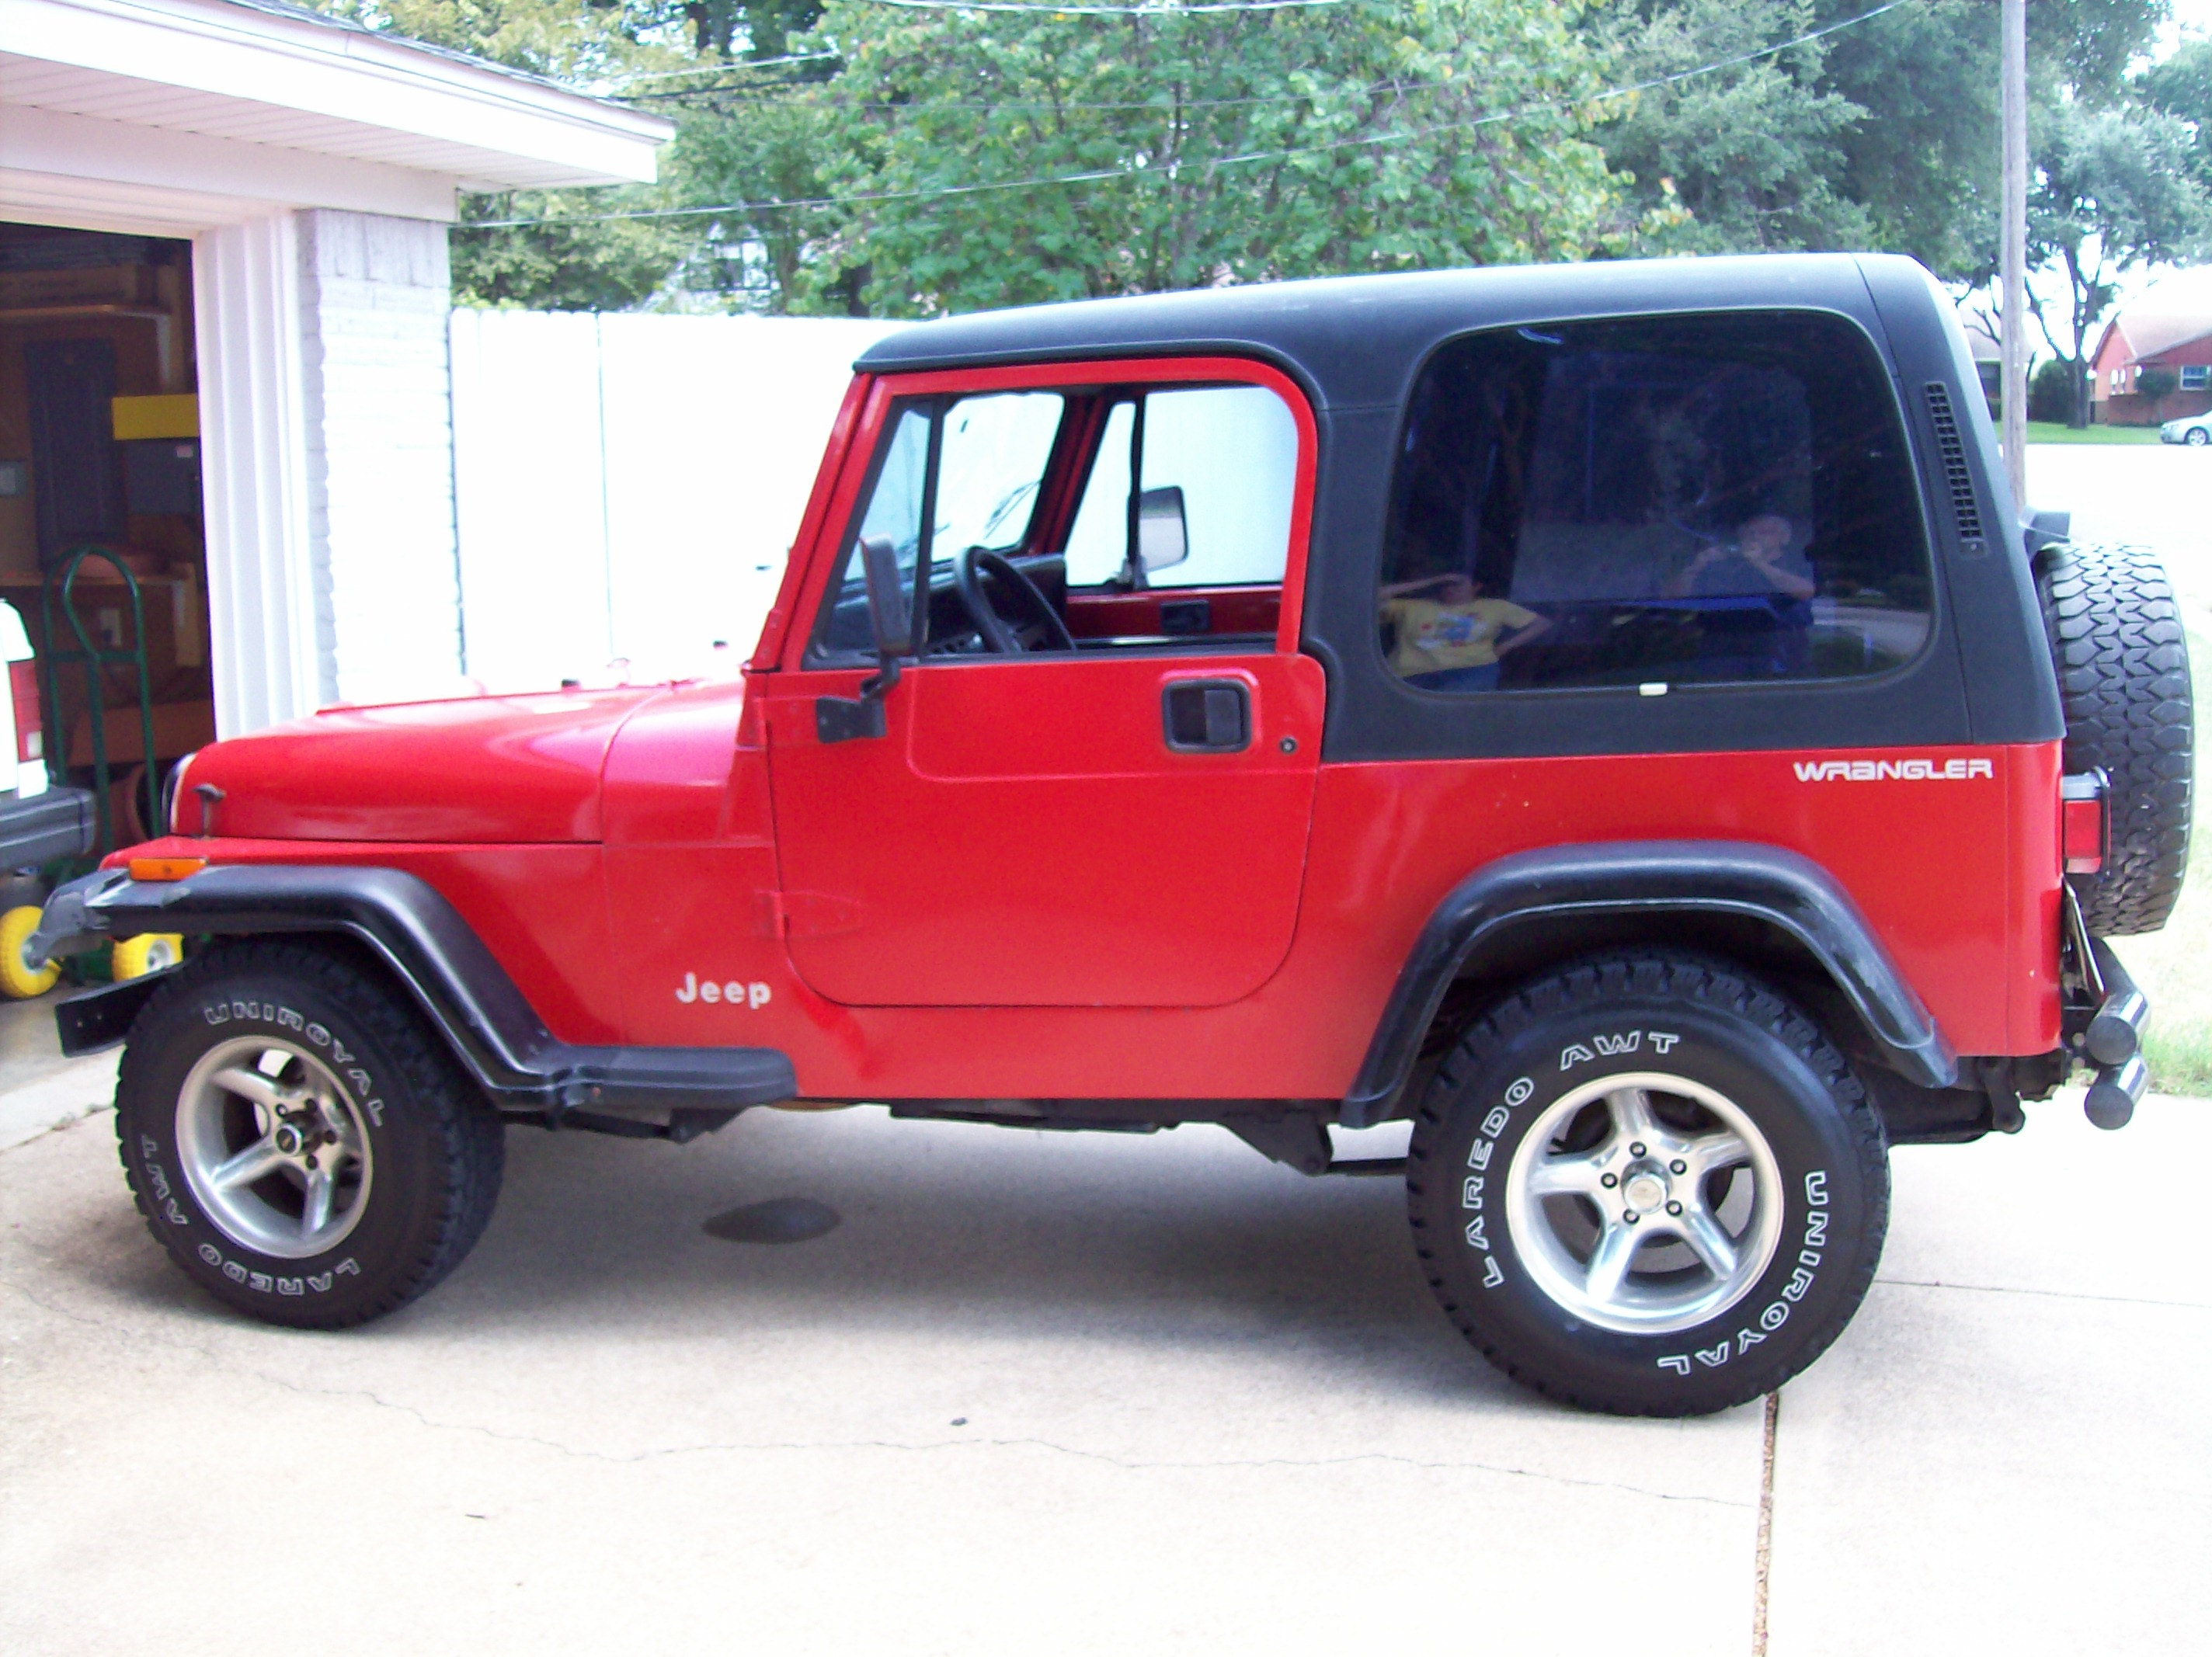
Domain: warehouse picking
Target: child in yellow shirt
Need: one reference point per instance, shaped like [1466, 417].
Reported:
[1452, 639]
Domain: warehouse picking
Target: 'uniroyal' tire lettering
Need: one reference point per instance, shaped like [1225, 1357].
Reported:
[1814, 1245]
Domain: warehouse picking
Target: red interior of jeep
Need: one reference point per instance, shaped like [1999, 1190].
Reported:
[1173, 612]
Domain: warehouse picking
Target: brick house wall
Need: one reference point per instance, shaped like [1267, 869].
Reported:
[2113, 398]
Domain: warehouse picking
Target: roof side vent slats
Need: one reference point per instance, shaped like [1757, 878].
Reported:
[1959, 480]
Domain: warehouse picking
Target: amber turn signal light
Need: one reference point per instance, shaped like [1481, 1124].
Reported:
[165, 868]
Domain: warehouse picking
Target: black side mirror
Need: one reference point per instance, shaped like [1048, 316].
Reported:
[889, 615]
[890, 621]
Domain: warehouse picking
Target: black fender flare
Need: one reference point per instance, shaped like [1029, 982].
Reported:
[456, 981]
[1781, 888]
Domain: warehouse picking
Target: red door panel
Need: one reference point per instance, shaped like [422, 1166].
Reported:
[1024, 836]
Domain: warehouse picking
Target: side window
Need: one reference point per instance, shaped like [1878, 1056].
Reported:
[1680, 500]
[991, 455]
[995, 451]
[1217, 468]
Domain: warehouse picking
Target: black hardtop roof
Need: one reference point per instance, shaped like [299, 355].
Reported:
[1356, 340]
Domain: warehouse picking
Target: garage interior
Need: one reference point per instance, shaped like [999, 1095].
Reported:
[99, 447]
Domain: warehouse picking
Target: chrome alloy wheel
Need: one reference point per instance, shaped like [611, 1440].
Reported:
[1644, 1203]
[272, 1148]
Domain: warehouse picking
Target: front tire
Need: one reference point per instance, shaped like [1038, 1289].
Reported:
[1648, 1185]
[305, 1149]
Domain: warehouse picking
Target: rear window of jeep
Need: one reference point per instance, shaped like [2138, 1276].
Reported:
[1681, 500]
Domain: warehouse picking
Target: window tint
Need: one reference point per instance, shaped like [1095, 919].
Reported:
[994, 452]
[1226, 455]
[1687, 500]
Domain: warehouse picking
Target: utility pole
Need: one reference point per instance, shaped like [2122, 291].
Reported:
[2013, 254]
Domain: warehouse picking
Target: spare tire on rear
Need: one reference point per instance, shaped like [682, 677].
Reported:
[2123, 659]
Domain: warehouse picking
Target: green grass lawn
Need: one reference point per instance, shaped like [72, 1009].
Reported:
[2045, 431]
[2174, 965]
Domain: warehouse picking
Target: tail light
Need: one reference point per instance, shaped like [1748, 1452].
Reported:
[30, 723]
[2083, 828]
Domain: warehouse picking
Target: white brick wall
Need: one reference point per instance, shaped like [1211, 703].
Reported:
[375, 295]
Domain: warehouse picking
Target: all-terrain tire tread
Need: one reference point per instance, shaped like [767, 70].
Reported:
[465, 1128]
[1701, 982]
[2122, 655]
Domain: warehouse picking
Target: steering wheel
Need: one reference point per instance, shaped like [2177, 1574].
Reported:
[968, 573]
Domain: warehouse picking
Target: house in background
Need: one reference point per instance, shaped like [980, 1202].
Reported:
[2151, 368]
[224, 345]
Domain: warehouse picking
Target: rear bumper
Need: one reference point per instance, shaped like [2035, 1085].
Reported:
[58, 823]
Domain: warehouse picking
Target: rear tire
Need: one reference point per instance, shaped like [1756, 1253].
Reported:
[305, 1149]
[1689, 1096]
[2123, 662]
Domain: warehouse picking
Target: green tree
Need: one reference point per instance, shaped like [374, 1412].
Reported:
[1883, 133]
[772, 246]
[2052, 393]
[2114, 191]
[1922, 160]
[1746, 159]
[1377, 135]
[2182, 87]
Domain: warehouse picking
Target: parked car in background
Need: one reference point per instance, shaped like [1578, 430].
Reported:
[2195, 430]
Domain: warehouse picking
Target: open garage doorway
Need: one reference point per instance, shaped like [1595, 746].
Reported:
[100, 448]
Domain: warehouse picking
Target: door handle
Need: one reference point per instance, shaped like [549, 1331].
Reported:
[1207, 716]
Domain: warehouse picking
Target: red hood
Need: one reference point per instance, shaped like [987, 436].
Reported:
[490, 770]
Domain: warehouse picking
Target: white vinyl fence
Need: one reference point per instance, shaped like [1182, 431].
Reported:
[627, 487]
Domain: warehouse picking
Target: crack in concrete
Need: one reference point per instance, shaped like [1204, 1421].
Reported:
[2041, 1293]
[1762, 1558]
[432, 1424]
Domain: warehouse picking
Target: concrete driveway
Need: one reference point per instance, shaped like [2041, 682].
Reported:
[1087, 1393]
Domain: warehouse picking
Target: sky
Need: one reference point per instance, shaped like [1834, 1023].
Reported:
[2189, 13]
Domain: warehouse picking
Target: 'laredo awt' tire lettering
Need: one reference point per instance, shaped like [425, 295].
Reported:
[1649, 1017]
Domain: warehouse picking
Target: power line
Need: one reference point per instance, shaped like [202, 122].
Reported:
[1250, 158]
[729, 68]
[1158, 8]
[1370, 89]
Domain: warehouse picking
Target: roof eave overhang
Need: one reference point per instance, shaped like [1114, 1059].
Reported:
[351, 95]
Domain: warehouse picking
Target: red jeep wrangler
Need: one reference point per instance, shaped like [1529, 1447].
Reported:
[1614, 716]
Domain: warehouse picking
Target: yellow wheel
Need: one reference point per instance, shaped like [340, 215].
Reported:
[149, 952]
[17, 979]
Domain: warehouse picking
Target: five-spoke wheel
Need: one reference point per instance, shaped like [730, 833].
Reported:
[1644, 1202]
[274, 1149]
[1647, 1183]
[302, 1143]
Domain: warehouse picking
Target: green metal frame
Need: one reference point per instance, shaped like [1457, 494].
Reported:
[61, 579]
